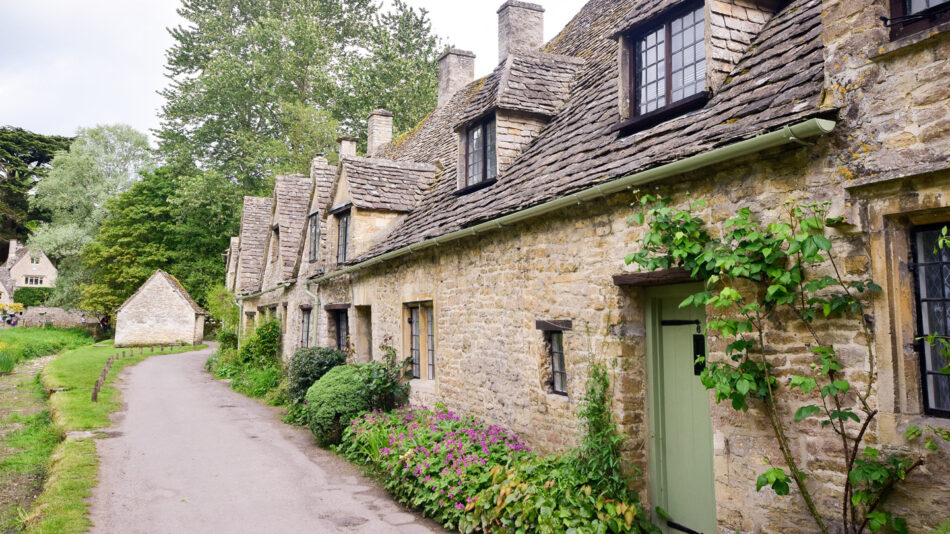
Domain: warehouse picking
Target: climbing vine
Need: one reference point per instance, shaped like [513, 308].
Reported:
[760, 278]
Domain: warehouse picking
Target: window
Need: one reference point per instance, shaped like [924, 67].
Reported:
[33, 280]
[414, 342]
[555, 344]
[342, 329]
[669, 67]
[420, 339]
[35, 261]
[314, 222]
[911, 16]
[481, 163]
[343, 223]
[430, 342]
[932, 269]
[275, 248]
[305, 327]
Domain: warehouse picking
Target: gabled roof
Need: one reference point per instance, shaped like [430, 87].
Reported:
[529, 82]
[292, 194]
[175, 286]
[778, 81]
[255, 224]
[380, 184]
[323, 177]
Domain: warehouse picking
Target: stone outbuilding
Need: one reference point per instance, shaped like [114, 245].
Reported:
[161, 311]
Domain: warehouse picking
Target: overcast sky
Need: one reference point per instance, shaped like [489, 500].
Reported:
[66, 64]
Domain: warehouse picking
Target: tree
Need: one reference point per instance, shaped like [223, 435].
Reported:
[101, 163]
[248, 77]
[24, 160]
[176, 223]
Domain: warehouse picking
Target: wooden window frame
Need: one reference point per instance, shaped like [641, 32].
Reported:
[485, 179]
[306, 315]
[313, 223]
[920, 347]
[420, 339]
[641, 121]
[342, 235]
[550, 329]
[901, 23]
[341, 322]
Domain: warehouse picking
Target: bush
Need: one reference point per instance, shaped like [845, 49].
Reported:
[32, 296]
[262, 348]
[333, 401]
[384, 382]
[255, 382]
[227, 339]
[431, 459]
[309, 365]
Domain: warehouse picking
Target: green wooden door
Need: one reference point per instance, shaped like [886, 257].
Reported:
[681, 444]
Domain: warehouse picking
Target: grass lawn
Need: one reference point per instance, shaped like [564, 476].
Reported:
[63, 506]
[18, 344]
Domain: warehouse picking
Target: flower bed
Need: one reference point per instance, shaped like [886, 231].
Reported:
[432, 459]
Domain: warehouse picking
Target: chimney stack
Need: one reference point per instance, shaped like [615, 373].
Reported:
[12, 250]
[347, 146]
[380, 126]
[520, 28]
[456, 70]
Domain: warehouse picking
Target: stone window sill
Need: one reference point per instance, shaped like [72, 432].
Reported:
[553, 397]
[928, 37]
[422, 384]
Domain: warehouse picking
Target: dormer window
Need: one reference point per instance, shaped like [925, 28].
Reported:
[314, 232]
[481, 160]
[343, 229]
[668, 67]
[912, 16]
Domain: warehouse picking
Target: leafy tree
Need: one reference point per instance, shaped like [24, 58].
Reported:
[24, 160]
[258, 86]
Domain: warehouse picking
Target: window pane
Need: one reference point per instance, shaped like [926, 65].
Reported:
[342, 329]
[430, 341]
[491, 162]
[475, 147]
[314, 237]
[414, 341]
[343, 222]
[558, 372]
[305, 329]
[687, 63]
[933, 286]
[651, 71]
[916, 6]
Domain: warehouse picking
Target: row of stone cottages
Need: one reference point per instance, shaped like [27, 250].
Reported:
[487, 244]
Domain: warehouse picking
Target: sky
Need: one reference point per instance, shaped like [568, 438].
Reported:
[66, 64]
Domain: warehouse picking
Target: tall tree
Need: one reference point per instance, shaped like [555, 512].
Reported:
[101, 163]
[24, 160]
[248, 75]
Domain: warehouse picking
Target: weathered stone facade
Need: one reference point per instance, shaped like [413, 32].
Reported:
[24, 269]
[160, 311]
[490, 272]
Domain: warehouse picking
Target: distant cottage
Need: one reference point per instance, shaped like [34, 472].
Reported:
[161, 311]
[24, 269]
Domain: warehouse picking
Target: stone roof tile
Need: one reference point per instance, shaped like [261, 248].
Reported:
[381, 184]
[255, 224]
[292, 195]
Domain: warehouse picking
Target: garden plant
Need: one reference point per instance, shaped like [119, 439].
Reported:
[759, 278]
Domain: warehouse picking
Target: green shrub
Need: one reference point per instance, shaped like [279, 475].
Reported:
[333, 401]
[599, 457]
[255, 382]
[262, 347]
[32, 296]
[227, 339]
[6, 364]
[309, 365]
[384, 382]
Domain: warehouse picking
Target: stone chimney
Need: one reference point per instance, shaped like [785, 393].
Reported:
[14, 247]
[520, 28]
[456, 70]
[380, 130]
[347, 146]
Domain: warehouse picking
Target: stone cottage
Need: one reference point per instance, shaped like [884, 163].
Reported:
[488, 243]
[160, 311]
[24, 269]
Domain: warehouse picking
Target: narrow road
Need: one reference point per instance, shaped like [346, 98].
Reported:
[187, 454]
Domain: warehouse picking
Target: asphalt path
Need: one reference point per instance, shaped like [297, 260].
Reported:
[188, 454]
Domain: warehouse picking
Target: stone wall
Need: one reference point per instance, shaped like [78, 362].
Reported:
[731, 25]
[157, 314]
[43, 315]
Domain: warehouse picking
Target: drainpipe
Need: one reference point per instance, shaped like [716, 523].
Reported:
[795, 133]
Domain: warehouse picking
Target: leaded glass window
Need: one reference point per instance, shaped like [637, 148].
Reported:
[430, 341]
[343, 223]
[932, 269]
[314, 233]
[414, 349]
[558, 371]
[481, 163]
[670, 62]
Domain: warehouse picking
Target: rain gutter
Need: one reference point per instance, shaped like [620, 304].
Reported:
[795, 133]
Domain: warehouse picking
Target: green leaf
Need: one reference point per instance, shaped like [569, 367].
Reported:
[637, 218]
[822, 242]
[842, 385]
[806, 411]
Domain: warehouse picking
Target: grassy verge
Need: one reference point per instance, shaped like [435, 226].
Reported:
[63, 507]
[18, 344]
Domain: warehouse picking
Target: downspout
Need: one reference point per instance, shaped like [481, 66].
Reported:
[795, 133]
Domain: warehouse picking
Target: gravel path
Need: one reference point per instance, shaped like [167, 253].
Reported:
[187, 454]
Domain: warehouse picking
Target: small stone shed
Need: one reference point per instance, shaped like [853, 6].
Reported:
[161, 311]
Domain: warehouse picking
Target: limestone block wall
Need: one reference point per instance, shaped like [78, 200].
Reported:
[730, 26]
[43, 315]
[25, 267]
[367, 227]
[513, 133]
[158, 314]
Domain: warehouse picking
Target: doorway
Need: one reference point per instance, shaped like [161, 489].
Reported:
[681, 440]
